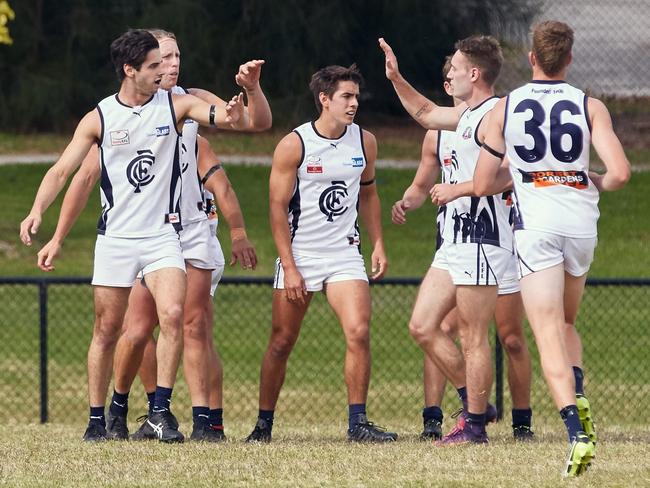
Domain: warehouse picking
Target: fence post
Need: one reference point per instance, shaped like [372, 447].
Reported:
[42, 298]
[498, 366]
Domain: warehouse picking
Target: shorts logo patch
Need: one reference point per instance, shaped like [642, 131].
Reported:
[137, 171]
[573, 179]
[330, 201]
[119, 137]
[314, 164]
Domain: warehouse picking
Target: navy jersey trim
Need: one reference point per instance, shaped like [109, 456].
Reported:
[176, 182]
[586, 108]
[505, 117]
[363, 147]
[294, 209]
[547, 82]
[478, 143]
[482, 103]
[171, 107]
[187, 92]
[129, 106]
[102, 124]
[107, 189]
[438, 142]
[313, 126]
[302, 144]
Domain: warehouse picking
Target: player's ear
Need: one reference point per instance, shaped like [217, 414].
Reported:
[129, 70]
[324, 99]
[531, 58]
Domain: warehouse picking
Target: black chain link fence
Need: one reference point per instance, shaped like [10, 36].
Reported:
[611, 38]
[46, 326]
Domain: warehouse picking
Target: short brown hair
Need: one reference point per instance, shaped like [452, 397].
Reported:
[485, 53]
[552, 44]
[446, 67]
[326, 80]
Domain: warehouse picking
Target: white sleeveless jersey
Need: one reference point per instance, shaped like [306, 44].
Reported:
[324, 207]
[475, 219]
[140, 168]
[445, 147]
[192, 203]
[547, 133]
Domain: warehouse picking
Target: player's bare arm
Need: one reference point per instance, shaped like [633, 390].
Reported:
[370, 208]
[286, 159]
[609, 149]
[258, 111]
[424, 179]
[216, 181]
[491, 175]
[210, 115]
[424, 111]
[86, 134]
[75, 200]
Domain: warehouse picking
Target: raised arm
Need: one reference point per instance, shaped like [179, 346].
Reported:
[370, 208]
[491, 175]
[86, 134]
[424, 179]
[609, 149]
[216, 181]
[76, 198]
[423, 110]
[286, 159]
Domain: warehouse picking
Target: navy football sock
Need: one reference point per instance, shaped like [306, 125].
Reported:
[119, 404]
[572, 421]
[97, 416]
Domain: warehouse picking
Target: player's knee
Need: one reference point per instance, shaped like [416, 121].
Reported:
[514, 345]
[194, 328]
[281, 345]
[358, 336]
[137, 336]
[171, 315]
[421, 332]
[106, 333]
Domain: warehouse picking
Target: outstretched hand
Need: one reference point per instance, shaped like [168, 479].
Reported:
[392, 69]
[248, 76]
[235, 109]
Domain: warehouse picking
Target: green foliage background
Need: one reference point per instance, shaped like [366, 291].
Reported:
[59, 66]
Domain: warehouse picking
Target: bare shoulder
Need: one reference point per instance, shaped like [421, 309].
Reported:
[289, 150]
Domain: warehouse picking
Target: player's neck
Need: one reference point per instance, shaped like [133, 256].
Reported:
[131, 96]
[539, 75]
[328, 127]
[479, 95]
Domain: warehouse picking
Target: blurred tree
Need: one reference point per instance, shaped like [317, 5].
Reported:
[6, 14]
[59, 66]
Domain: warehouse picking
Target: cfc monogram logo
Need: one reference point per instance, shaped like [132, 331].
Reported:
[330, 200]
[137, 171]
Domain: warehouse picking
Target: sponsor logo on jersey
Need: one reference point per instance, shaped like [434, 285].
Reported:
[314, 165]
[467, 133]
[137, 171]
[330, 201]
[189, 121]
[173, 218]
[162, 131]
[119, 137]
[356, 163]
[574, 179]
[447, 160]
[354, 240]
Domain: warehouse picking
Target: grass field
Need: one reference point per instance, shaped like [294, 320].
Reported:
[53, 456]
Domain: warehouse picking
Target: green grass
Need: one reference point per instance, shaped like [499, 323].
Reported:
[53, 455]
[622, 251]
